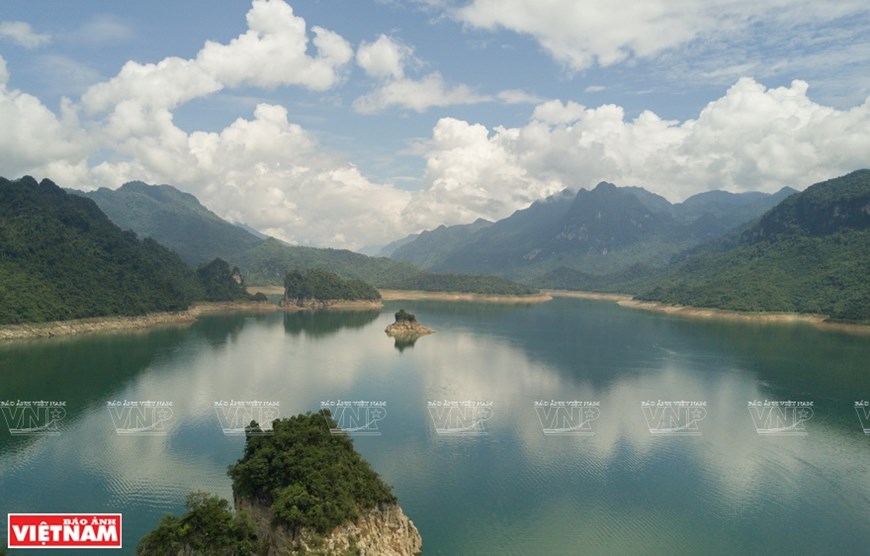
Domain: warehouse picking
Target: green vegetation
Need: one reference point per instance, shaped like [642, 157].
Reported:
[324, 285]
[308, 477]
[208, 527]
[584, 234]
[173, 218]
[402, 315]
[220, 283]
[810, 254]
[269, 262]
[61, 258]
[465, 283]
[179, 221]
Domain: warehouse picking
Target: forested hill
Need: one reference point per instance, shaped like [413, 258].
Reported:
[61, 258]
[809, 254]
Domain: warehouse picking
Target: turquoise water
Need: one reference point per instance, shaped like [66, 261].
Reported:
[612, 485]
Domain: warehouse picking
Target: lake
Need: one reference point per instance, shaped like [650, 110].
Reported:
[568, 427]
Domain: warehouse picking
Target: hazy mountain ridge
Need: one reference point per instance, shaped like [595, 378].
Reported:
[602, 231]
[175, 219]
[178, 220]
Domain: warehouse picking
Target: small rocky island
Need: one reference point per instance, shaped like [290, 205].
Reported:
[298, 489]
[406, 328]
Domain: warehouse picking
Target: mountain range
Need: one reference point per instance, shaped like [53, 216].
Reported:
[605, 230]
[803, 252]
[179, 221]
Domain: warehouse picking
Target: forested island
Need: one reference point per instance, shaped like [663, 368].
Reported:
[297, 489]
[321, 289]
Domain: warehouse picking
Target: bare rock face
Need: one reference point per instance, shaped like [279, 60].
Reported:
[381, 531]
[407, 329]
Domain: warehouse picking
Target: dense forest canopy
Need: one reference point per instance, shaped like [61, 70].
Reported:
[308, 477]
[324, 285]
[61, 258]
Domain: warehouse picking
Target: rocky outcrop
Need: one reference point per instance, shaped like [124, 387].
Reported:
[407, 329]
[381, 531]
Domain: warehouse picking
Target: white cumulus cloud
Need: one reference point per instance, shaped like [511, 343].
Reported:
[36, 140]
[752, 138]
[22, 34]
[384, 57]
[272, 52]
[418, 95]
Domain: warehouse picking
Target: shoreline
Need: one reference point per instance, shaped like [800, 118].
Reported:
[709, 313]
[333, 305]
[92, 325]
[419, 295]
[589, 295]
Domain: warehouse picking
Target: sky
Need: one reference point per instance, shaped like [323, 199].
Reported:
[352, 123]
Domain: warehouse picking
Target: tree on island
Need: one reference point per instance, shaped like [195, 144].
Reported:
[402, 315]
[208, 527]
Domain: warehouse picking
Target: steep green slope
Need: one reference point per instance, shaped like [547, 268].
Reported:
[175, 219]
[810, 253]
[61, 258]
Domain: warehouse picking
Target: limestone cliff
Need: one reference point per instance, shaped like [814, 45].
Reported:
[380, 531]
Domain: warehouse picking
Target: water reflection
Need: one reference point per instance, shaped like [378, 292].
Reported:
[511, 490]
[318, 324]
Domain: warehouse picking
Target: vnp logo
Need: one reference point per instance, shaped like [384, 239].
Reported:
[64, 531]
[863, 409]
[567, 418]
[678, 418]
[359, 418]
[140, 418]
[235, 416]
[33, 417]
[781, 418]
[466, 418]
